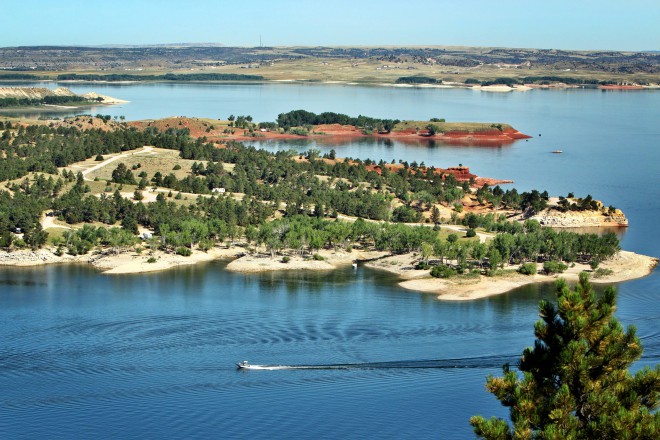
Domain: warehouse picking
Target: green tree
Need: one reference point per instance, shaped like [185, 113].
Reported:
[35, 236]
[575, 381]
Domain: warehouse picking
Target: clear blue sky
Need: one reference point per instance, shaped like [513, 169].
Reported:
[559, 24]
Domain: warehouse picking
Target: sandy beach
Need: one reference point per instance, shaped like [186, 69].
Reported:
[122, 262]
[331, 260]
[625, 266]
[130, 262]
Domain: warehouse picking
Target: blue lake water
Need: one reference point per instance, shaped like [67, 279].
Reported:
[84, 355]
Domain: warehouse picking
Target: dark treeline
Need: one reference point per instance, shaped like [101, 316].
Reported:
[166, 77]
[19, 76]
[547, 79]
[53, 100]
[417, 79]
[299, 118]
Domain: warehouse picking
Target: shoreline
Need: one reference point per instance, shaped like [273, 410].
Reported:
[506, 137]
[625, 265]
[451, 85]
[123, 262]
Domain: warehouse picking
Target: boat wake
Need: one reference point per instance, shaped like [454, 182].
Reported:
[471, 362]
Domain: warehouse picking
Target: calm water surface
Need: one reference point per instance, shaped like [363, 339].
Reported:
[84, 355]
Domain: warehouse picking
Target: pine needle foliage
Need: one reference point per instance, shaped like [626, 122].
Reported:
[575, 381]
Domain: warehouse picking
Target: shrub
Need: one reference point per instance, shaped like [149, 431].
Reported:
[99, 158]
[473, 274]
[183, 251]
[442, 272]
[528, 269]
[318, 257]
[405, 214]
[471, 233]
[151, 260]
[422, 265]
[286, 259]
[205, 245]
[176, 167]
[600, 272]
[550, 267]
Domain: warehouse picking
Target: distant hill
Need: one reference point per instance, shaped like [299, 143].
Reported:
[200, 55]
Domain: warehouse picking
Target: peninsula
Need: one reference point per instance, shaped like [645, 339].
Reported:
[143, 196]
[42, 98]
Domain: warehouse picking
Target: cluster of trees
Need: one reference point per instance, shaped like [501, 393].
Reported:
[309, 234]
[81, 241]
[545, 79]
[528, 241]
[166, 77]
[19, 76]
[55, 100]
[299, 118]
[585, 204]
[417, 79]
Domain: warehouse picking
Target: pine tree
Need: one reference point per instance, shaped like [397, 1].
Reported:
[575, 380]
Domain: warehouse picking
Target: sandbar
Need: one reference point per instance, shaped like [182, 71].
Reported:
[624, 265]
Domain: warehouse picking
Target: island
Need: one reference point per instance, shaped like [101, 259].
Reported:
[141, 196]
[330, 127]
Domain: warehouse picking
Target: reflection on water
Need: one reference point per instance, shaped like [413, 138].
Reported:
[102, 345]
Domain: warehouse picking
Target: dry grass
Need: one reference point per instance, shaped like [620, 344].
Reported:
[368, 71]
[447, 126]
[150, 162]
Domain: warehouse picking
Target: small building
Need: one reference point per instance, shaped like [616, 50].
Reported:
[218, 190]
[147, 235]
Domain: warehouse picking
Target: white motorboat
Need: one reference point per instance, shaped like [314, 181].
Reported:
[244, 364]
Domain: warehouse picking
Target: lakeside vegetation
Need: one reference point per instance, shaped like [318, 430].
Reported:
[166, 77]
[280, 202]
[47, 100]
[115, 77]
[301, 118]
